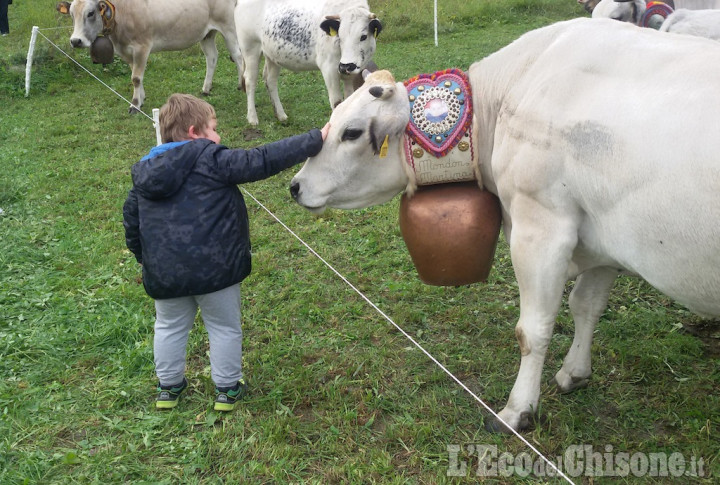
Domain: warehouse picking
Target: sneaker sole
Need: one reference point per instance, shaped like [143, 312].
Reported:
[165, 404]
[222, 406]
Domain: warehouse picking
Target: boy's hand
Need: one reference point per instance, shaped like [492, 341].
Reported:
[325, 130]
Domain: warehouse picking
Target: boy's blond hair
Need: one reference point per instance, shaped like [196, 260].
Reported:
[180, 112]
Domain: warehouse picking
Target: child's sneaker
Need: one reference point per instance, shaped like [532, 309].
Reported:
[228, 396]
[167, 397]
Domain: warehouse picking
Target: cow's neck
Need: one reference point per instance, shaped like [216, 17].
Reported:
[438, 141]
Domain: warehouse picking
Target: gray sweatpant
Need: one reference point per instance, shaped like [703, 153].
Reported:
[220, 312]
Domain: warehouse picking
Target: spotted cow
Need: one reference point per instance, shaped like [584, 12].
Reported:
[335, 36]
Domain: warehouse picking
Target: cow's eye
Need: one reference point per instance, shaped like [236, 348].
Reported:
[351, 134]
[363, 37]
[91, 14]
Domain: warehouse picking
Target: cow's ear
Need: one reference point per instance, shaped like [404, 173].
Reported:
[375, 27]
[63, 7]
[331, 25]
[382, 92]
[381, 84]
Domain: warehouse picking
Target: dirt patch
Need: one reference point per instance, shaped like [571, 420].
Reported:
[250, 134]
[708, 331]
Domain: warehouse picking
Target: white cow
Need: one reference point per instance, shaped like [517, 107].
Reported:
[632, 10]
[701, 23]
[138, 27]
[335, 36]
[588, 190]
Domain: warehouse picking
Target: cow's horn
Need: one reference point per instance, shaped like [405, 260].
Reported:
[365, 74]
[332, 17]
[372, 16]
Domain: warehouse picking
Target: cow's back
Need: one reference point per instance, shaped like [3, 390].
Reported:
[168, 24]
[287, 30]
[621, 135]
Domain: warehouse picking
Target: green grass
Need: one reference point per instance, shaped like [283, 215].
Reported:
[337, 394]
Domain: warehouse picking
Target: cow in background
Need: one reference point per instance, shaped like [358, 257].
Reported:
[701, 23]
[632, 10]
[335, 36]
[589, 5]
[138, 27]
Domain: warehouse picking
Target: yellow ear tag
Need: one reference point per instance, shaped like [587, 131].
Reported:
[333, 32]
[384, 147]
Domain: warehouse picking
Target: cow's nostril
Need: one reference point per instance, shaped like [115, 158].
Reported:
[295, 190]
[75, 42]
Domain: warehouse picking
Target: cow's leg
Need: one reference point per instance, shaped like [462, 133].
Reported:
[541, 246]
[271, 72]
[233, 47]
[209, 48]
[251, 58]
[139, 62]
[587, 302]
[348, 85]
[332, 82]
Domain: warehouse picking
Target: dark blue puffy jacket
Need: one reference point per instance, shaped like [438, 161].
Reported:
[185, 218]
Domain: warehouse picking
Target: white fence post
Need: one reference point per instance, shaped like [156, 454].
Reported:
[28, 64]
[156, 124]
[435, 21]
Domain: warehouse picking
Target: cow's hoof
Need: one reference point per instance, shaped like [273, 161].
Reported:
[133, 110]
[206, 93]
[494, 425]
[569, 385]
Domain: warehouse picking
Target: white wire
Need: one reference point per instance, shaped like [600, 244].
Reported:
[428, 354]
[96, 78]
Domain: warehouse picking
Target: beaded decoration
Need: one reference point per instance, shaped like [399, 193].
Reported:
[438, 142]
[440, 109]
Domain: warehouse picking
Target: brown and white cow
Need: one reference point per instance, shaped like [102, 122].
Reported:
[139, 27]
[590, 184]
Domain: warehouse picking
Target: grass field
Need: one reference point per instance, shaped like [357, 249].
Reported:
[337, 394]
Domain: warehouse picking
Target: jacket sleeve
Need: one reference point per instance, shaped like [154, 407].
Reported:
[242, 166]
[131, 222]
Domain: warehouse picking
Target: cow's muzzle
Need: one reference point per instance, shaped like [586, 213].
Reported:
[347, 68]
[76, 42]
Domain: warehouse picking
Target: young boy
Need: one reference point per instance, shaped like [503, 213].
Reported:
[186, 222]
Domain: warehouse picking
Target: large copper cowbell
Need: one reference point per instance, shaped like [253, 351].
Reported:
[451, 231]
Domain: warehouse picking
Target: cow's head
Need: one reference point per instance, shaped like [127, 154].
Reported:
[589, 5]
[90, 19]
[353, 169]
[356, 29]
[622, 10]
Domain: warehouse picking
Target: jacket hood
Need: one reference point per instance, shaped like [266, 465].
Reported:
[164, 170]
